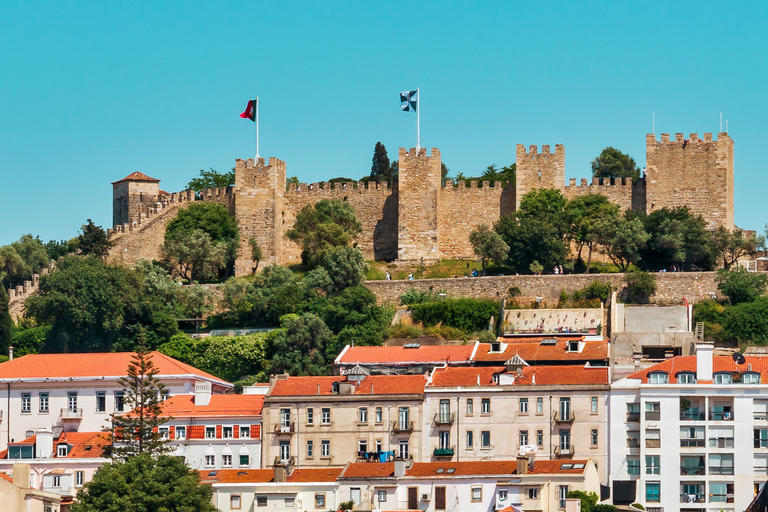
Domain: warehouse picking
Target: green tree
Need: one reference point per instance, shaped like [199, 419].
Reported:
[612, 163]
[489, 245]
[299, 347]
[33, 254]
[641, 286]
[61, 248]
[678, 237]
[444, 170]
[196, 301]
[380, 168]
[211, 179]
[142, 484]
[345, 267]
[588, 500]
[6, 322]
[746, 323]
[194, 256]
[621, 238]
[256, 252]
[732, 245]
[740, 285]
[325, 224]
[29, 340]
[136, 433]
[11, 266]
[583, 213]
[508, 173]
[93, 240]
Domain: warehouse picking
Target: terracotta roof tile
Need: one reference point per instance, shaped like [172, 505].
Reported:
[85, 444]
[104, 364]
[678, 364]
[315, 475]
[544, 375]
[29, 440]
[136, 176]
[453, 376]
[371, 385]
[436, 354]
[368, 470]
[532, 351]
[235, 476]
[486, 467]
[183, 406]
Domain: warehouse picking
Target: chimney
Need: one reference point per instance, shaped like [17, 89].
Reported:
[10, 353]
[399, 468]
[43, 443]
[704, 361]
[522, 465]
[202, 393]
[281, 473]
[21, 475]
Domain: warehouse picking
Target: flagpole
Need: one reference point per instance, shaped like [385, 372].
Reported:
[418, 115]
[257, 129]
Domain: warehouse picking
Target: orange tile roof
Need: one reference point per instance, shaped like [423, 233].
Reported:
[531, 350]
[103, 364]
[236, 476]
[183, 406]
[6, 477]
[29, 440]
[371, 385]
[675, 365]
[436, 354]
[486, 467]
[136, 176]
[85, 444]
[453, 376]
[369, 470]
[544, 375]
[315, 475]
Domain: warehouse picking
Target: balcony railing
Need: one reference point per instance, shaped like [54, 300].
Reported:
[653, 443]
[692, 416]
[761, 443]
[721, 498]
[402, 426]
[633, 443]
[691, 443]
[279, 461]
[652, 415]
[692, 498]
[720, 470]
[564, 452]
[564, 418]
[721, 442]
[633, 416]
[692, 470]
[71, 414]
[721, 416]
[443, 452]
[285, 428]
[444, 418]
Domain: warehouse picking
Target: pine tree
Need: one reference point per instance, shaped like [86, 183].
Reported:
[6, 322]
[136, 432]
[380, 168]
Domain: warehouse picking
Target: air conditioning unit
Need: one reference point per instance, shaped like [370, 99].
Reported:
[425, 496]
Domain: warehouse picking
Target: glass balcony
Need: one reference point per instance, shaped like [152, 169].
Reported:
[721, 415]
[692, 416]
[692, 470]
[692, 443]
[721, 442]
[721, 470]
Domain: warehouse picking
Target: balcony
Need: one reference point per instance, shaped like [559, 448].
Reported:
[564, 418]
[692, 498]
[279, 461]
[71, 414]
[443, 452]
[692, 416]
[633, 442]
[720, 470]
[652, 415]
[564, 452]
[691, 443]
[721, 416]
[285, 428]
[402, 426]
[721, 442]
[721, 498]
[653, 443]
[692, 470]
[633, 417]
[444, 418]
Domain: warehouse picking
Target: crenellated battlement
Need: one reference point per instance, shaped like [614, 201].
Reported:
[539, 170]
[600, 182]
[680, 138]
[533, 153]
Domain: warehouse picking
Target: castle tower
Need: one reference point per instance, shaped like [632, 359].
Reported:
[692, 172]
[259, 210]
[539, 170]
[418, 184]
[131, 195]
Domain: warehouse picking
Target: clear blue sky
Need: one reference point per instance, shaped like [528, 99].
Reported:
[92, 91]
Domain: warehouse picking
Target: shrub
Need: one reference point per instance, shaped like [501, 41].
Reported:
[536, 267]
[514, 291]
[414, 296]
[29, 341]
[486, 337]
[740, 285]
[640, 287]
[604, 507]
[467, 314]
[597, 290]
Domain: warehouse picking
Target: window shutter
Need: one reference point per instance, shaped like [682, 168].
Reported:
[236, 431]
[171, 432]
[196, 432]
[218, 431]
[439, 498]
[255, 431]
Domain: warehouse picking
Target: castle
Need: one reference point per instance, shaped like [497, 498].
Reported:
[418, 218]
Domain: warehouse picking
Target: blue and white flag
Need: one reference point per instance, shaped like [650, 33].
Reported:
[408, 100]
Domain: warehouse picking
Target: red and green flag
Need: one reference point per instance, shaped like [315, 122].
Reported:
[250, 111]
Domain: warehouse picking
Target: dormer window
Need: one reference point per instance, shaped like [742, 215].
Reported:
[750, 378]
[495, 378]
[686, 378]
[573, 346]
[723, 378]
[657, 378]
[62, 450]
[495, 346]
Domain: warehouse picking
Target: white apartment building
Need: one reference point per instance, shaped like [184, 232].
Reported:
[690, 433]
[77, 392]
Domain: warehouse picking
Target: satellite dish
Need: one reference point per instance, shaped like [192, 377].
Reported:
[739, 358]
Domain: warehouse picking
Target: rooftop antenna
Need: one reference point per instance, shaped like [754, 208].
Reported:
[721, 121]
[653, 117]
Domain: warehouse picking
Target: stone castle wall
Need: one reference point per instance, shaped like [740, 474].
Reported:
[618, 192]
[539, 170]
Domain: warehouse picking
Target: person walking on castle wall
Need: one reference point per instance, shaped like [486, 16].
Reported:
[556, 270]
[410, 276]
[389, 277]
[561, 270]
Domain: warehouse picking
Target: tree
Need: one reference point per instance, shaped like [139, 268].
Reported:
[641, 286]
[621, 238]
[11, 265]
[93, 240]
[145, 483]
[612, 163]
[345, 267]
[488, 245]
[136, 433]
[325, 224]
[299, 347]
[211, 179]
[588, 500]
[256, 252]
[740, 285]
[507, 173]
[194, 256]
[21, 259]
[732, 245]
[6, 322]
[678, 237]
[444, 170]
[380, 168]
[583, 213]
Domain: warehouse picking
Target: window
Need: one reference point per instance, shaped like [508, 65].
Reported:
[721, 464]
[485, 439]
[325, 418]
[210, 432]
[440, 497]
[285, 451]
[485, 406]
[539, 438]
[539, 405]
[657, 378]
[181, 432]
[652, 465]
[234, 501]
[285, 420]
[79, 478]
[261, 501]
[404, 417]
[289, 501]
[381, 496]
[470, 406]
[633, 466]
[565, 440]
[362, 445]
[325, 448]
[403, 445]
[653, 438]
[226, 461]
[444, 439]
[445, 411]
[165, 395]
[633, 408]
[319, 500]
[163, 431]
[523, 437]
[477, 493]
[56, 481]
[565, 408]
[72, 402]
[310, 415]
[594, 405]
[210, 460]
[379, 415]
[723, 378]
[562, 493]
[245, 432]
[652, 411]
[470, 439]
[26, 403]
[310, 449]
[533, 493]
[119, 400]
[750, 378]
[43, 402]
[245, 461]
[227, 432]
[62, 450]
[378, 445]
[101, 401]
[502, 495]
[354, 495]
[686, 378]
[362, 415]
[523, 406]
[653, 492]
[594, 437]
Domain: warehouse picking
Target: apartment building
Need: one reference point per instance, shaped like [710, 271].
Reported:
[77, 392]
[410, 359]
[17, 495]
[330, 421]
[544, 350]
[491, 412]
[691, 433]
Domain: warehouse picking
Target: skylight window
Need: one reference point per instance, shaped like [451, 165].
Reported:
[566, 466]
[412, 345]
[212, 473]
[440, 471]
[450, 470]
[549, 341]
[578, 466]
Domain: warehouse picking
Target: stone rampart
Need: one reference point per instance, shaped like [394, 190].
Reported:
[617, 191]
[670, 287]
[19, 294]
